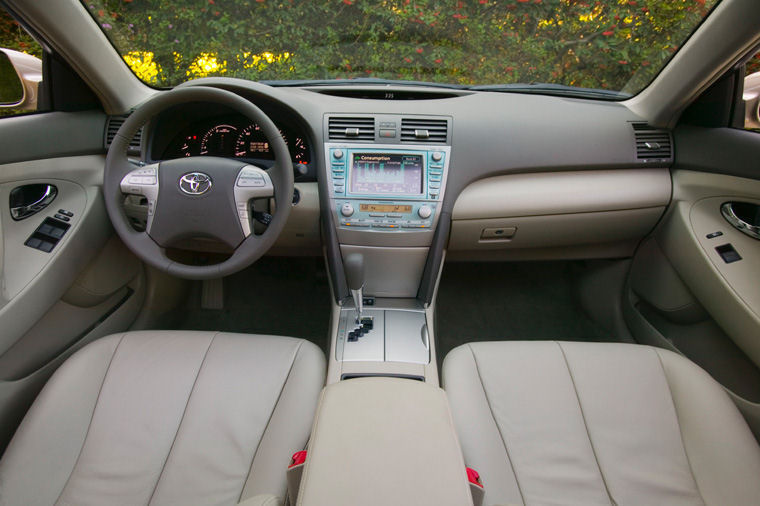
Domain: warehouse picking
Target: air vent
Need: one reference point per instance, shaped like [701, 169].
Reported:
[112, 126]
[652, 143]
[428, 131]
[352, 129]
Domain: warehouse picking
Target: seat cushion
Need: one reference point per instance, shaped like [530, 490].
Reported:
[598, 423]
[166, 418]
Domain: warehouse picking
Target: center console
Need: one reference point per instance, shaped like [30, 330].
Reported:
[381, 441]
[386, 179]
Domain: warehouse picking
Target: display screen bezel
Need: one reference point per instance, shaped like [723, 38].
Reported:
[351, 173]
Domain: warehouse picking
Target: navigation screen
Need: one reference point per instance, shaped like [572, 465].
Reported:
[380, 173]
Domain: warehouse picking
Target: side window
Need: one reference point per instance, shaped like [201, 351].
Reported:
[751, 94]
[20, 68]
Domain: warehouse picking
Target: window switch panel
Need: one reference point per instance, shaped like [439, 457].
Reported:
[47, 235]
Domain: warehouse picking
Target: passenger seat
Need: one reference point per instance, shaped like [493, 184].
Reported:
[598, 423]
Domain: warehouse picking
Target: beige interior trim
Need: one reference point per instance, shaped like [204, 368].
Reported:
[548, 193]
[601, 213]
[729, 292]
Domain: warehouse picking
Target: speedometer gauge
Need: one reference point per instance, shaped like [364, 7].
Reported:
[252, 143]
[219, 141]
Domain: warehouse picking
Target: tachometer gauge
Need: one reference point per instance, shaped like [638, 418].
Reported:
[299, 151]
[252, 143]
[219, 141]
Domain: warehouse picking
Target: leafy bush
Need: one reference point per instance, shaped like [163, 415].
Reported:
[615, 44]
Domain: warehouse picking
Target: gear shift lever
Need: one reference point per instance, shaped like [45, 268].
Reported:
[354, 266]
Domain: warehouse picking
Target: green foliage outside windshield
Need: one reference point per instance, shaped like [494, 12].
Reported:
[610, 44]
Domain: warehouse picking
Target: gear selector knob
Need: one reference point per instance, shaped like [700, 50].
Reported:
[353, 264]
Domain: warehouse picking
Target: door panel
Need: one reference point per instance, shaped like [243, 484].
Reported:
[683, 293]
[65, 279]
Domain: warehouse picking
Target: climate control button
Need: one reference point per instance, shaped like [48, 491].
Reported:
[424, 212]
[347, 209]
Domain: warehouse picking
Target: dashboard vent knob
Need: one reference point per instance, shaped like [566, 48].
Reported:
[652, 144]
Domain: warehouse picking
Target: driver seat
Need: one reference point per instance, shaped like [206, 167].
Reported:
[166, 418]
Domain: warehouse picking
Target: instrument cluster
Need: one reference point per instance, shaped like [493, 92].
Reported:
[235, 137]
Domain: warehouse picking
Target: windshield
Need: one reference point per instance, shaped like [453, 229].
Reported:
[613, 45]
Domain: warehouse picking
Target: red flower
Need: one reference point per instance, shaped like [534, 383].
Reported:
[408, 60]
[607, 33]
[622, 62]
[509, 69]
[348, 2]
[523, 1]
[459, 16]
[644, 63]
[419, 50]
[438, 60]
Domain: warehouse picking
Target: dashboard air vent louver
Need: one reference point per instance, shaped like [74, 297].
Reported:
[429, 131]
[652, 143]
[352, 129]
[113, 123]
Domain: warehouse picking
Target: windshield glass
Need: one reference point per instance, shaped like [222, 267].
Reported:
[613, 45]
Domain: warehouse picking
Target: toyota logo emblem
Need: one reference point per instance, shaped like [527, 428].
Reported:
[195, 183]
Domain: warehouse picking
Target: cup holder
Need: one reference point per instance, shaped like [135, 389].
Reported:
[743, 216]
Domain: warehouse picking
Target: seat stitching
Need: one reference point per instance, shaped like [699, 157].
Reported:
[92, 416]
[680, 433]
[585, 424]
[182, 419]
[498, 429]
[266, 427]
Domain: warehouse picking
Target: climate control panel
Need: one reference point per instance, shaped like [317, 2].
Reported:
[385, 215]
[386, 188]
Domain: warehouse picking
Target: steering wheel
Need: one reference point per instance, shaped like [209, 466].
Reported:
[199, 196]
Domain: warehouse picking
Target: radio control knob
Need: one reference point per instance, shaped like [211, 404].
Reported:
[347, 209]
[437, 156]
[424, 212]
[338, 154]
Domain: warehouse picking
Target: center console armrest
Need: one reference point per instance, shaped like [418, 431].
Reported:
[381, 441]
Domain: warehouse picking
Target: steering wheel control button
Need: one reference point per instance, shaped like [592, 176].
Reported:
[347, 209]
[424, 212]
[251, 182]
[195, 183]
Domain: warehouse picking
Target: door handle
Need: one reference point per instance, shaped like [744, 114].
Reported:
[744, 217]
[30, 199]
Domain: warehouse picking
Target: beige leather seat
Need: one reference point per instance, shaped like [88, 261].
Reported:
[596, 423]
[166, 418]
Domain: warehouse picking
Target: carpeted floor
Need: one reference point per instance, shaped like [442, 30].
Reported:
[511, 301]
[476, 302]
[276, 295]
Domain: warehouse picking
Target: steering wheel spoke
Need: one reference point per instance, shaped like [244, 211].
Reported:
[251, 183]
[143, 182]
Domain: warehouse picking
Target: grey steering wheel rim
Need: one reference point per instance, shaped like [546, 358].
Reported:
[117, 166]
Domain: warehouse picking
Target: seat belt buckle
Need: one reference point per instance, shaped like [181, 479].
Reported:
[295, 471]
[476, 486]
